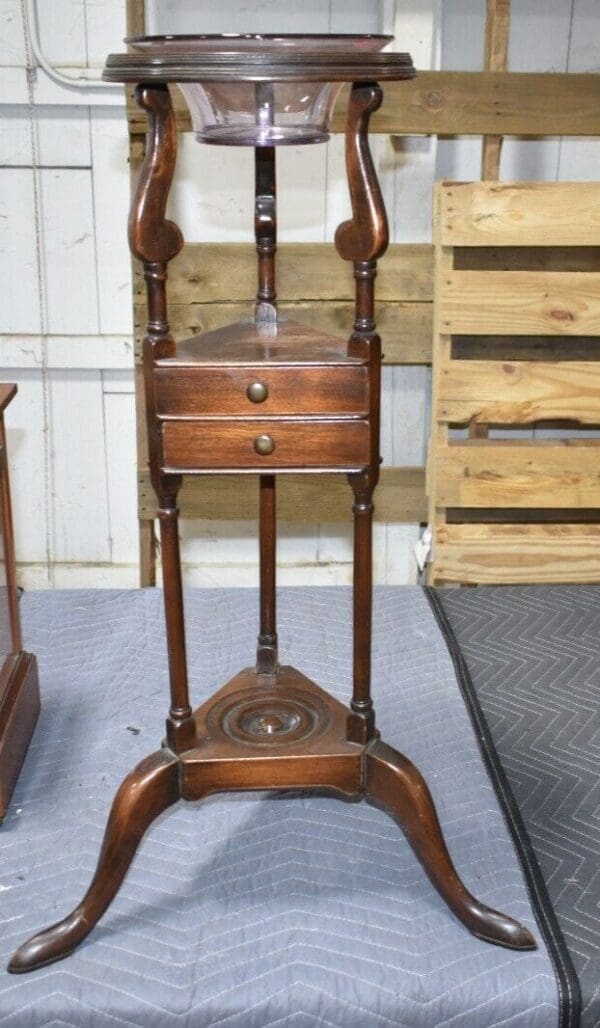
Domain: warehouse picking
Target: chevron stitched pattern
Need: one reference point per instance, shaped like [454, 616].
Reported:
[248, 911]
[534, 657]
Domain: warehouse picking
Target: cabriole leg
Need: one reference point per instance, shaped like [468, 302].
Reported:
[146, 792]
[395, 783]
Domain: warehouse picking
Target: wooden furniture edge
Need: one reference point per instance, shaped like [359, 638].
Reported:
[19, 711]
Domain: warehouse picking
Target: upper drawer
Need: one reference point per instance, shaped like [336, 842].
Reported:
[227, 390]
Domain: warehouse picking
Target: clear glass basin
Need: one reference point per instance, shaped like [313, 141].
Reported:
[259, 113]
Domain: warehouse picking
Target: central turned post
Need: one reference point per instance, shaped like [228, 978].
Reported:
[265, 313]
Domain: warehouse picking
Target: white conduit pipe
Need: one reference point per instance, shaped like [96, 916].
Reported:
[70, 81]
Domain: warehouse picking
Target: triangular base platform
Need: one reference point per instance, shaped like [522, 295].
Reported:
[272, 732]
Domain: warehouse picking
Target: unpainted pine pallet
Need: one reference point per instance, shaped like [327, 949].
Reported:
[526, 476]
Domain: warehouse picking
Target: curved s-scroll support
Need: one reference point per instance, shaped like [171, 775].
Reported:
[365, 236]
[152, 237]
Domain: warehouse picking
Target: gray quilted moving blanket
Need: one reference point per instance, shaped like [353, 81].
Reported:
[255, 909]
[533, 659]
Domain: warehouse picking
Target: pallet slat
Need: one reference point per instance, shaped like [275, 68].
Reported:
[506, 474]
[521, 214]
[507, 554]
[521, 303]
[400, 497]
[519, 392]
[466, 103]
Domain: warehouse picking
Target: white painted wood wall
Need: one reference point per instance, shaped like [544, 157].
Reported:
[65, 316]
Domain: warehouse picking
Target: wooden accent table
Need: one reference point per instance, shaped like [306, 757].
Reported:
[265, 396]
[19, 688]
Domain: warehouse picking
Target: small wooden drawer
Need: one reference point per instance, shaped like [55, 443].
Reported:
[287, 390]
[230, 445]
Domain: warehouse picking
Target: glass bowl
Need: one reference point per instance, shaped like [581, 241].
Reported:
[259, 113]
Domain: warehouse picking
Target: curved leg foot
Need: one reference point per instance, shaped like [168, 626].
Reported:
[395, 783]
[148, 790]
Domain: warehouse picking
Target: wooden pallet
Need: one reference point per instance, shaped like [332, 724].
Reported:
[516, 330]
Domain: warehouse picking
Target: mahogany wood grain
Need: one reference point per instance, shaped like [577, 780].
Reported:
[19, 686]
[155, 240]
[145, 793]
[394, 782]
[8, 539]
[362, 239]
[219, 444]
[290, 390]
[19, 712]
[270, 343]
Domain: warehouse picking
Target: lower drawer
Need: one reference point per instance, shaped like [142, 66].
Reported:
[260, 444]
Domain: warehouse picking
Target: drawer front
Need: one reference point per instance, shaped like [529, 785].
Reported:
[291, 390]
[263, 444]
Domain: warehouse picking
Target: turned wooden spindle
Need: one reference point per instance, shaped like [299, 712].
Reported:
[363, 239]
[265, 228]
[155, 240]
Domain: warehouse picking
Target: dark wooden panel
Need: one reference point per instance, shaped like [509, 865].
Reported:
[198, 446]
[205, 391]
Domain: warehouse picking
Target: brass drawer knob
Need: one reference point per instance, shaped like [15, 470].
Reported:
[264, 445]
[257, 392]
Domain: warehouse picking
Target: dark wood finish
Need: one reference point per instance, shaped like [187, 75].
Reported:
[362, 240]
[270, 726]
[155, 240]
[251, 343]
[19, 687]
[267, 661]
[8, 539]
[227, 759]
[258, 393]
[146, 792]
[19, 712]
[395, 783]
[265, 229]
[216, 444]
[206, 391]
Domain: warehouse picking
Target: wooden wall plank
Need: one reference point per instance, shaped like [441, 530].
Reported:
[519, 392]
[226, 272]
[507, 554]
[520, 214]
[400, 497]
[521, 303]
[505, 474]
[470, 103]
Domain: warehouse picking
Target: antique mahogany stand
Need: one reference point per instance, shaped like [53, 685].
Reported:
[265, 396]
[19, 688]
